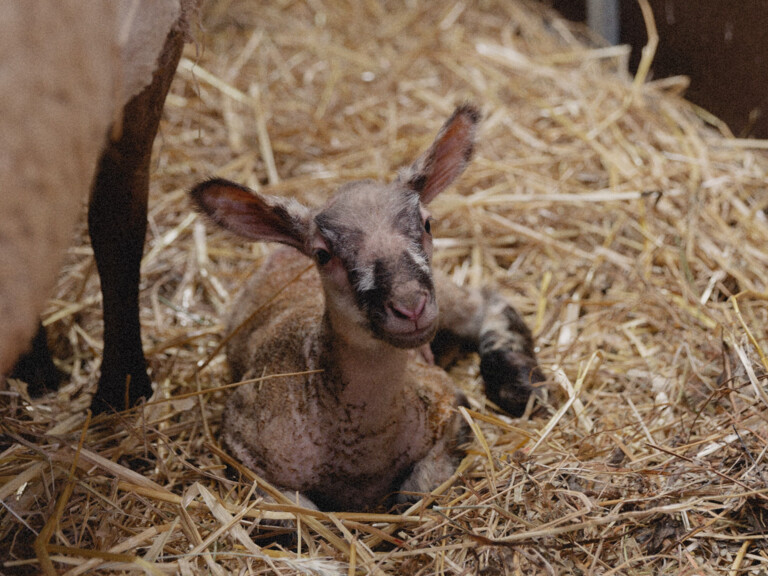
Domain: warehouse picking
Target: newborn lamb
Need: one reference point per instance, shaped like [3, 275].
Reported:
[378, 419]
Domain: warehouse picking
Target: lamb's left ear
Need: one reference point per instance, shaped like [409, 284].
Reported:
[447, 157]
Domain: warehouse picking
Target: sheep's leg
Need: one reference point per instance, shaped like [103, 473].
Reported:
[36, 367]
[117, 220]
[482, 321]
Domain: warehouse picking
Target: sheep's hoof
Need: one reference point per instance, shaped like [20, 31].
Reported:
[40, 374]
[509, 378]
[36, 367]
[111, 394]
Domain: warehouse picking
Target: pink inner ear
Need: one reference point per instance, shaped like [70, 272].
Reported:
[247, 214]
[449, 155]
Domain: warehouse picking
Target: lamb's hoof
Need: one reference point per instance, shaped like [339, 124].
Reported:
[509, 379]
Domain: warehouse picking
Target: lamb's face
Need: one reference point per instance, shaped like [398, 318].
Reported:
[373, 248]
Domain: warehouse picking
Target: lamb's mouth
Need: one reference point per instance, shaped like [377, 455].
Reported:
[412, 338]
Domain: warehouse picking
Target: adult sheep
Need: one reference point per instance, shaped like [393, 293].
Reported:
[82, 88]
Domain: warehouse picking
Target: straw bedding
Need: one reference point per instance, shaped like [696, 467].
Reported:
[625, 225]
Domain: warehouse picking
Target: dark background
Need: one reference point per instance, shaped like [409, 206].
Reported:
[721, 45]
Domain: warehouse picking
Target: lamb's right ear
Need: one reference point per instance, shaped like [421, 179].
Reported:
[251, 215]
[447, 157]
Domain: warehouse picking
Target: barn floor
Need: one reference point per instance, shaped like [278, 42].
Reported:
[626, 226]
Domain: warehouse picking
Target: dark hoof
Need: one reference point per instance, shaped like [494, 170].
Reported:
[36, 367]
[509, 378]
[111, 394]
[40, 377]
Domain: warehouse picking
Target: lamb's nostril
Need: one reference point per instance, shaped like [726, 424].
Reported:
[409, 312]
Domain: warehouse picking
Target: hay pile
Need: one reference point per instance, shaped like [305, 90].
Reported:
[617, 221]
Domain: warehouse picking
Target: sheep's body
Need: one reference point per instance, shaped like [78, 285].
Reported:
[54, 118]
[67, 71]
[372, 418]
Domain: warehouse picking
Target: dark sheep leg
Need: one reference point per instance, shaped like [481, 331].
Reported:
[117, 222]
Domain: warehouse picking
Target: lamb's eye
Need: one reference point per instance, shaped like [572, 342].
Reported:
[322, 257]
[428, 226]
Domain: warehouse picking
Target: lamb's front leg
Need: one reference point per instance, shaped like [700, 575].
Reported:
[439, 464]
[484, 322]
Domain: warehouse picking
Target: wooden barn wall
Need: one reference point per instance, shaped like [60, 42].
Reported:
[721, 45]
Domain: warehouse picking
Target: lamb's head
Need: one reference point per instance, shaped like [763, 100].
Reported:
[372, 246]
[371, 242]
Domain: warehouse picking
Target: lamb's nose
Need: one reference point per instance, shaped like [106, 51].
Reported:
[406, 311]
